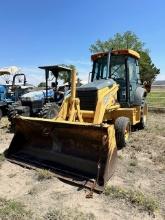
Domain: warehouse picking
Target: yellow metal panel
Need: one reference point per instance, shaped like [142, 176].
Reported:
[107, 98]
[87, 114]
[116, 52]
[132, 113]
[127, 52]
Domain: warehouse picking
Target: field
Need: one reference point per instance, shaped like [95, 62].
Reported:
[157, 96]
[136, 191]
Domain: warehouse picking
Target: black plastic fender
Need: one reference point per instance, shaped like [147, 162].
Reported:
[139, 95]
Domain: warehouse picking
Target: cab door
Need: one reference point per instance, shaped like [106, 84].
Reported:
[133, 78]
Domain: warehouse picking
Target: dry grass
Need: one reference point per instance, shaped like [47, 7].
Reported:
[160, 159]
[2, 157]
[4, 123]
[156, 124]
[139, 175]
[44, 175]
[33, 191]
[10, 209]
[11, 175]
[133, 163]
[68, 214]
[136, 198]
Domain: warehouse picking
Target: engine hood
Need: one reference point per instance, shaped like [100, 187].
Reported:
[37, 95]
[96, 85]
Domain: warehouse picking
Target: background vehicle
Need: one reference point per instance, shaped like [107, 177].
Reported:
[43, 103]
[11, 93]
[80, 144]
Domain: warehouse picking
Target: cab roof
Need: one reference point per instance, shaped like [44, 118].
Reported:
[127, 52]
[56, 68]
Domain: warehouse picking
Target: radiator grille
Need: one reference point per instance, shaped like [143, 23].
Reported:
[88, 99]
[33, 105]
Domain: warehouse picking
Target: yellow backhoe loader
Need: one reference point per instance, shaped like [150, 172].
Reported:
[80, 144]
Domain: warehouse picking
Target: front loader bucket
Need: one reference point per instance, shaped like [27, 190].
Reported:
[78, 152]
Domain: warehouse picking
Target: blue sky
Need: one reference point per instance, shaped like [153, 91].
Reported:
[39, 32]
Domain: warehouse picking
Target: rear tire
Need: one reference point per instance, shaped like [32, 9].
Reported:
[143, 119]
[49, 111]
[122, 131]
[11, 114]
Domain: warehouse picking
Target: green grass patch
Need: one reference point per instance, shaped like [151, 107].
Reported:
[2, 158]
[10, 209]
[136, 198]
[68, 214]
[156, 99]
[44, 175]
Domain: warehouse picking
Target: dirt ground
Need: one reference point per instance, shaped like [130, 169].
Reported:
[136, 191]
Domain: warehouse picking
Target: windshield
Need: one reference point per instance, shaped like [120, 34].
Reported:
[117, 68]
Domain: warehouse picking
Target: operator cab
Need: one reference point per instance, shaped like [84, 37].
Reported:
[121, 66]
[57, 72]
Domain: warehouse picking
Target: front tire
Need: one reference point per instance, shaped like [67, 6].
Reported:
[49, 111]
[122, 131]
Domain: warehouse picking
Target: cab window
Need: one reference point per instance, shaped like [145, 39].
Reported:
[133, 66]
[118, 69]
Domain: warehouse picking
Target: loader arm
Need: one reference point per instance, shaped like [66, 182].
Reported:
[70, 109]
[107, 101]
